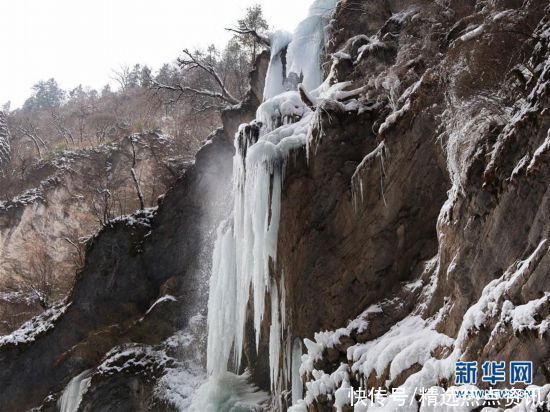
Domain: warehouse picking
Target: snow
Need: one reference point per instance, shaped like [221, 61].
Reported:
[227, 392]
[299, 406]
[541, 151]
[138, 218]
[520, 166]
[322, 384]
[342, 396]
[522, 317]
[26, 198]
[182, 378]
[18, 296]
[414, 340]
[373, 44]
[489, 304]
[473, 34]
[5, 148]
[280, 110]
[464, 133]
[165, 298]
[35, 327]
[296, 380]
[131, 356]
[178, 385]
[411, 341]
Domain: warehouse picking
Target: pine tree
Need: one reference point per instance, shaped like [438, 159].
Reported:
[253, 20]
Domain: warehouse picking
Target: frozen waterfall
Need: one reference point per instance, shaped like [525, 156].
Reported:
[245, 253]
[73, 392]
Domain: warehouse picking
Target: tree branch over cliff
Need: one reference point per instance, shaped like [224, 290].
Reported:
[195, 61]
[186, 90]
[244, 30]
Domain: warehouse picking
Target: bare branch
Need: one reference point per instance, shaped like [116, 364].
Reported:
[246, 31]
[201, 92]
[190, 61]
[31, 132]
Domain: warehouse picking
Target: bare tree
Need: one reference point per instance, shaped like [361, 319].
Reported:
[59, 123]
[191, 62]
[28, 129]
[34, 276]
[134, 176]
[5, 148]
[122, 76]
[78, 248]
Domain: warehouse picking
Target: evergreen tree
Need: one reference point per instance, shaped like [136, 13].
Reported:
[46, 95]
[253, 20]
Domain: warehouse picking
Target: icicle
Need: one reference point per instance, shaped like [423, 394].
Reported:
[308, 40]
[73, 392]
[274, 81]
[257, 227]
[274, 339]
[246, 247]
[222, 298]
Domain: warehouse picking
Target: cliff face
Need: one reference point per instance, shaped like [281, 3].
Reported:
[129, 265]
[56, 204]
[428, 205]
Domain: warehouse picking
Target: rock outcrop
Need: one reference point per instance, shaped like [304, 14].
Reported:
[58, 202]
[130, 264]
[428, 205]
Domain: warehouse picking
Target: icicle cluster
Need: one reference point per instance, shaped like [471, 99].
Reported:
[245, 252]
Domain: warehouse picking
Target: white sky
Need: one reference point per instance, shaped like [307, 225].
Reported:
[81, 41]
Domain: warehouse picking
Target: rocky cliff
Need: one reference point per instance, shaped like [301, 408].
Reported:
[390, 223]
[423, 215]
[413, 227]
[55, 204]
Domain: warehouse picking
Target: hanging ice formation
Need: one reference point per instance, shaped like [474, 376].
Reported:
[246, 246]
[73, 392]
